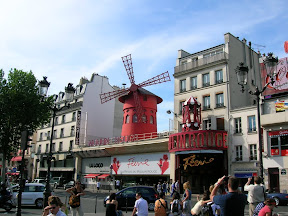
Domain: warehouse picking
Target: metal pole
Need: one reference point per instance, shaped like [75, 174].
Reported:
[47, 191]
[21, 185]
[259, 134]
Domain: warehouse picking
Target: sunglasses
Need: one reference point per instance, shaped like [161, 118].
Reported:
[53, 207]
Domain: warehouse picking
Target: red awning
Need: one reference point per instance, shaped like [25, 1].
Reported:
[16, 173]
[91, 175]
[103, 176]
[17, 158]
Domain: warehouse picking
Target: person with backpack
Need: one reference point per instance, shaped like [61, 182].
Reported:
[186, 200]
[198, 207]
[175, 205]
[161, 206]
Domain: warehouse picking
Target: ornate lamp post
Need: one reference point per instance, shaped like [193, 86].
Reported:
[69, 92]
[242, 76]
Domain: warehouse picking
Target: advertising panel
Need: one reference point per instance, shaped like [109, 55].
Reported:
[281, 78]
[96, 165]
[141, 164]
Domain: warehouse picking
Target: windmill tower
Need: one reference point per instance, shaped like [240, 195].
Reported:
[140, 105]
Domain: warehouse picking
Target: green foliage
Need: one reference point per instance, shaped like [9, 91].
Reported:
[21, 108]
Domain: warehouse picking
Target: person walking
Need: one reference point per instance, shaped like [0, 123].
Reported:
[159, 187]
[141, 206]
[186, 200]
[76, 192]
[98, 184]
[175, 205]
[256, 193]
[177, 186]
[164, 187]
[161, 205]
[54, 207]
[173, 188]
[111, 205]
[233, 203]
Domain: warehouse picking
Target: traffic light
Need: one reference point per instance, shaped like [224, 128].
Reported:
[25, 139]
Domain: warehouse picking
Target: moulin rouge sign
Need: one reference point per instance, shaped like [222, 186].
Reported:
[197, 140]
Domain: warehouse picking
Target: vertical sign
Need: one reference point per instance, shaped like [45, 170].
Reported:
[77, 136]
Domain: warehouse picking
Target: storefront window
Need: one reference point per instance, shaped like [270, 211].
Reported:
[279, 145]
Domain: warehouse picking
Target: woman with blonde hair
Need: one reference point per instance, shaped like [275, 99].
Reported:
[186, 200]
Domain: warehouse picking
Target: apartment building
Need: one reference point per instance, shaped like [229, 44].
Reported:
[85, 119]
[209, 76]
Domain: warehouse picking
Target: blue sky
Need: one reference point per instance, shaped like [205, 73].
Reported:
[68, 39]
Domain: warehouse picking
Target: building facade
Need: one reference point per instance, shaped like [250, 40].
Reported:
[83, 120]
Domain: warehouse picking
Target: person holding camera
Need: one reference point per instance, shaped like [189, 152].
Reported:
[233, 203]
[54, 207]
[256, 193]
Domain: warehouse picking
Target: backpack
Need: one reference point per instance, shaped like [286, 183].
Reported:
[175, 206]
[207, 210]
[74, 201]
[160, 207]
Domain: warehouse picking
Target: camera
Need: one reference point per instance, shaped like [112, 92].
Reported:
[226, 179]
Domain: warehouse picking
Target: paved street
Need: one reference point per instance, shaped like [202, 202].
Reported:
[89, 200]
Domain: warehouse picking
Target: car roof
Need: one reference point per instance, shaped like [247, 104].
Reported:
[30, 184]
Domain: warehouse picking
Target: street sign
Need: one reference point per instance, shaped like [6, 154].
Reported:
[14, 169]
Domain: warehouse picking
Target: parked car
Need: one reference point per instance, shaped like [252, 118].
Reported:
[148, 193]
[32, 194]
[41, 181]
[69, 185]
[56, 182]
[280, 198]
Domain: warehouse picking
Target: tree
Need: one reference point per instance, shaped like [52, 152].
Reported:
[21, 108]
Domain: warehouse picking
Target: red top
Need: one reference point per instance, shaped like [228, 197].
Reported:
[265, 210]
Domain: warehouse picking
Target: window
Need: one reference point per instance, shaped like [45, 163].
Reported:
[181, 107]
[238, 153]
[144, 119]
[218, 76]
[206, 79]
[72, 133]
[62, 133]
[56, 121]
[206, 104]
[73, 116]
[53, 147]
[134, 120]
[60, 146]
[55, 134]
[48, 135]
[253, 152]
[127, 119]
[279, 146]
[220, 124]
[238, 126]
[183, 85]
[41, 137]
[63, 119]
[151, 120]
[39, 149]
[71, 145]
[252, 124]
[207, 124]
[47, 148]
[219, 100]
[193, 83]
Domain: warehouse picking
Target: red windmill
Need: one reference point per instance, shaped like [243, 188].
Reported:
[140, 105]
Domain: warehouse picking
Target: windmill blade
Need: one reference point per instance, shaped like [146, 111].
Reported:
[138, 106]
[127, 61]
[164, 77]
[104, 97]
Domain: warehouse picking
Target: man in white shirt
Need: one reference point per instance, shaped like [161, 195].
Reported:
[141, 206]
[256, 193]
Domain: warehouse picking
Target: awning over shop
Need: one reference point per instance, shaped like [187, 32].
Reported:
[16, 173]
[17, 158]
[103, 176]
[91, 175]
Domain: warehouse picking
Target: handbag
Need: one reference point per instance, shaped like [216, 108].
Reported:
[74, 201]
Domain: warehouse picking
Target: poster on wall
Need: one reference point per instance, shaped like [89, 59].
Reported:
[96, 165]
[141, 164]
[281, 78]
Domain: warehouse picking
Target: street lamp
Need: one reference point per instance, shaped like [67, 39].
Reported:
[270, 63]
[69, 92]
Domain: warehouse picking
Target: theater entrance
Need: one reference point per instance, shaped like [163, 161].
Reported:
[201, 169]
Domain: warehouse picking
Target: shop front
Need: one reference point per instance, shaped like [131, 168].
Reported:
[200, 157]
[96, 170]
[143, 169]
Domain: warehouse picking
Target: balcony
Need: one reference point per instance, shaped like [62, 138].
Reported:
[206, 107]
[219, 105]
[219, 81]
[200, 62]
[206, 84]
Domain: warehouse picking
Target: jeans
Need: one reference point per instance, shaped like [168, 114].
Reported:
[78, 209]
